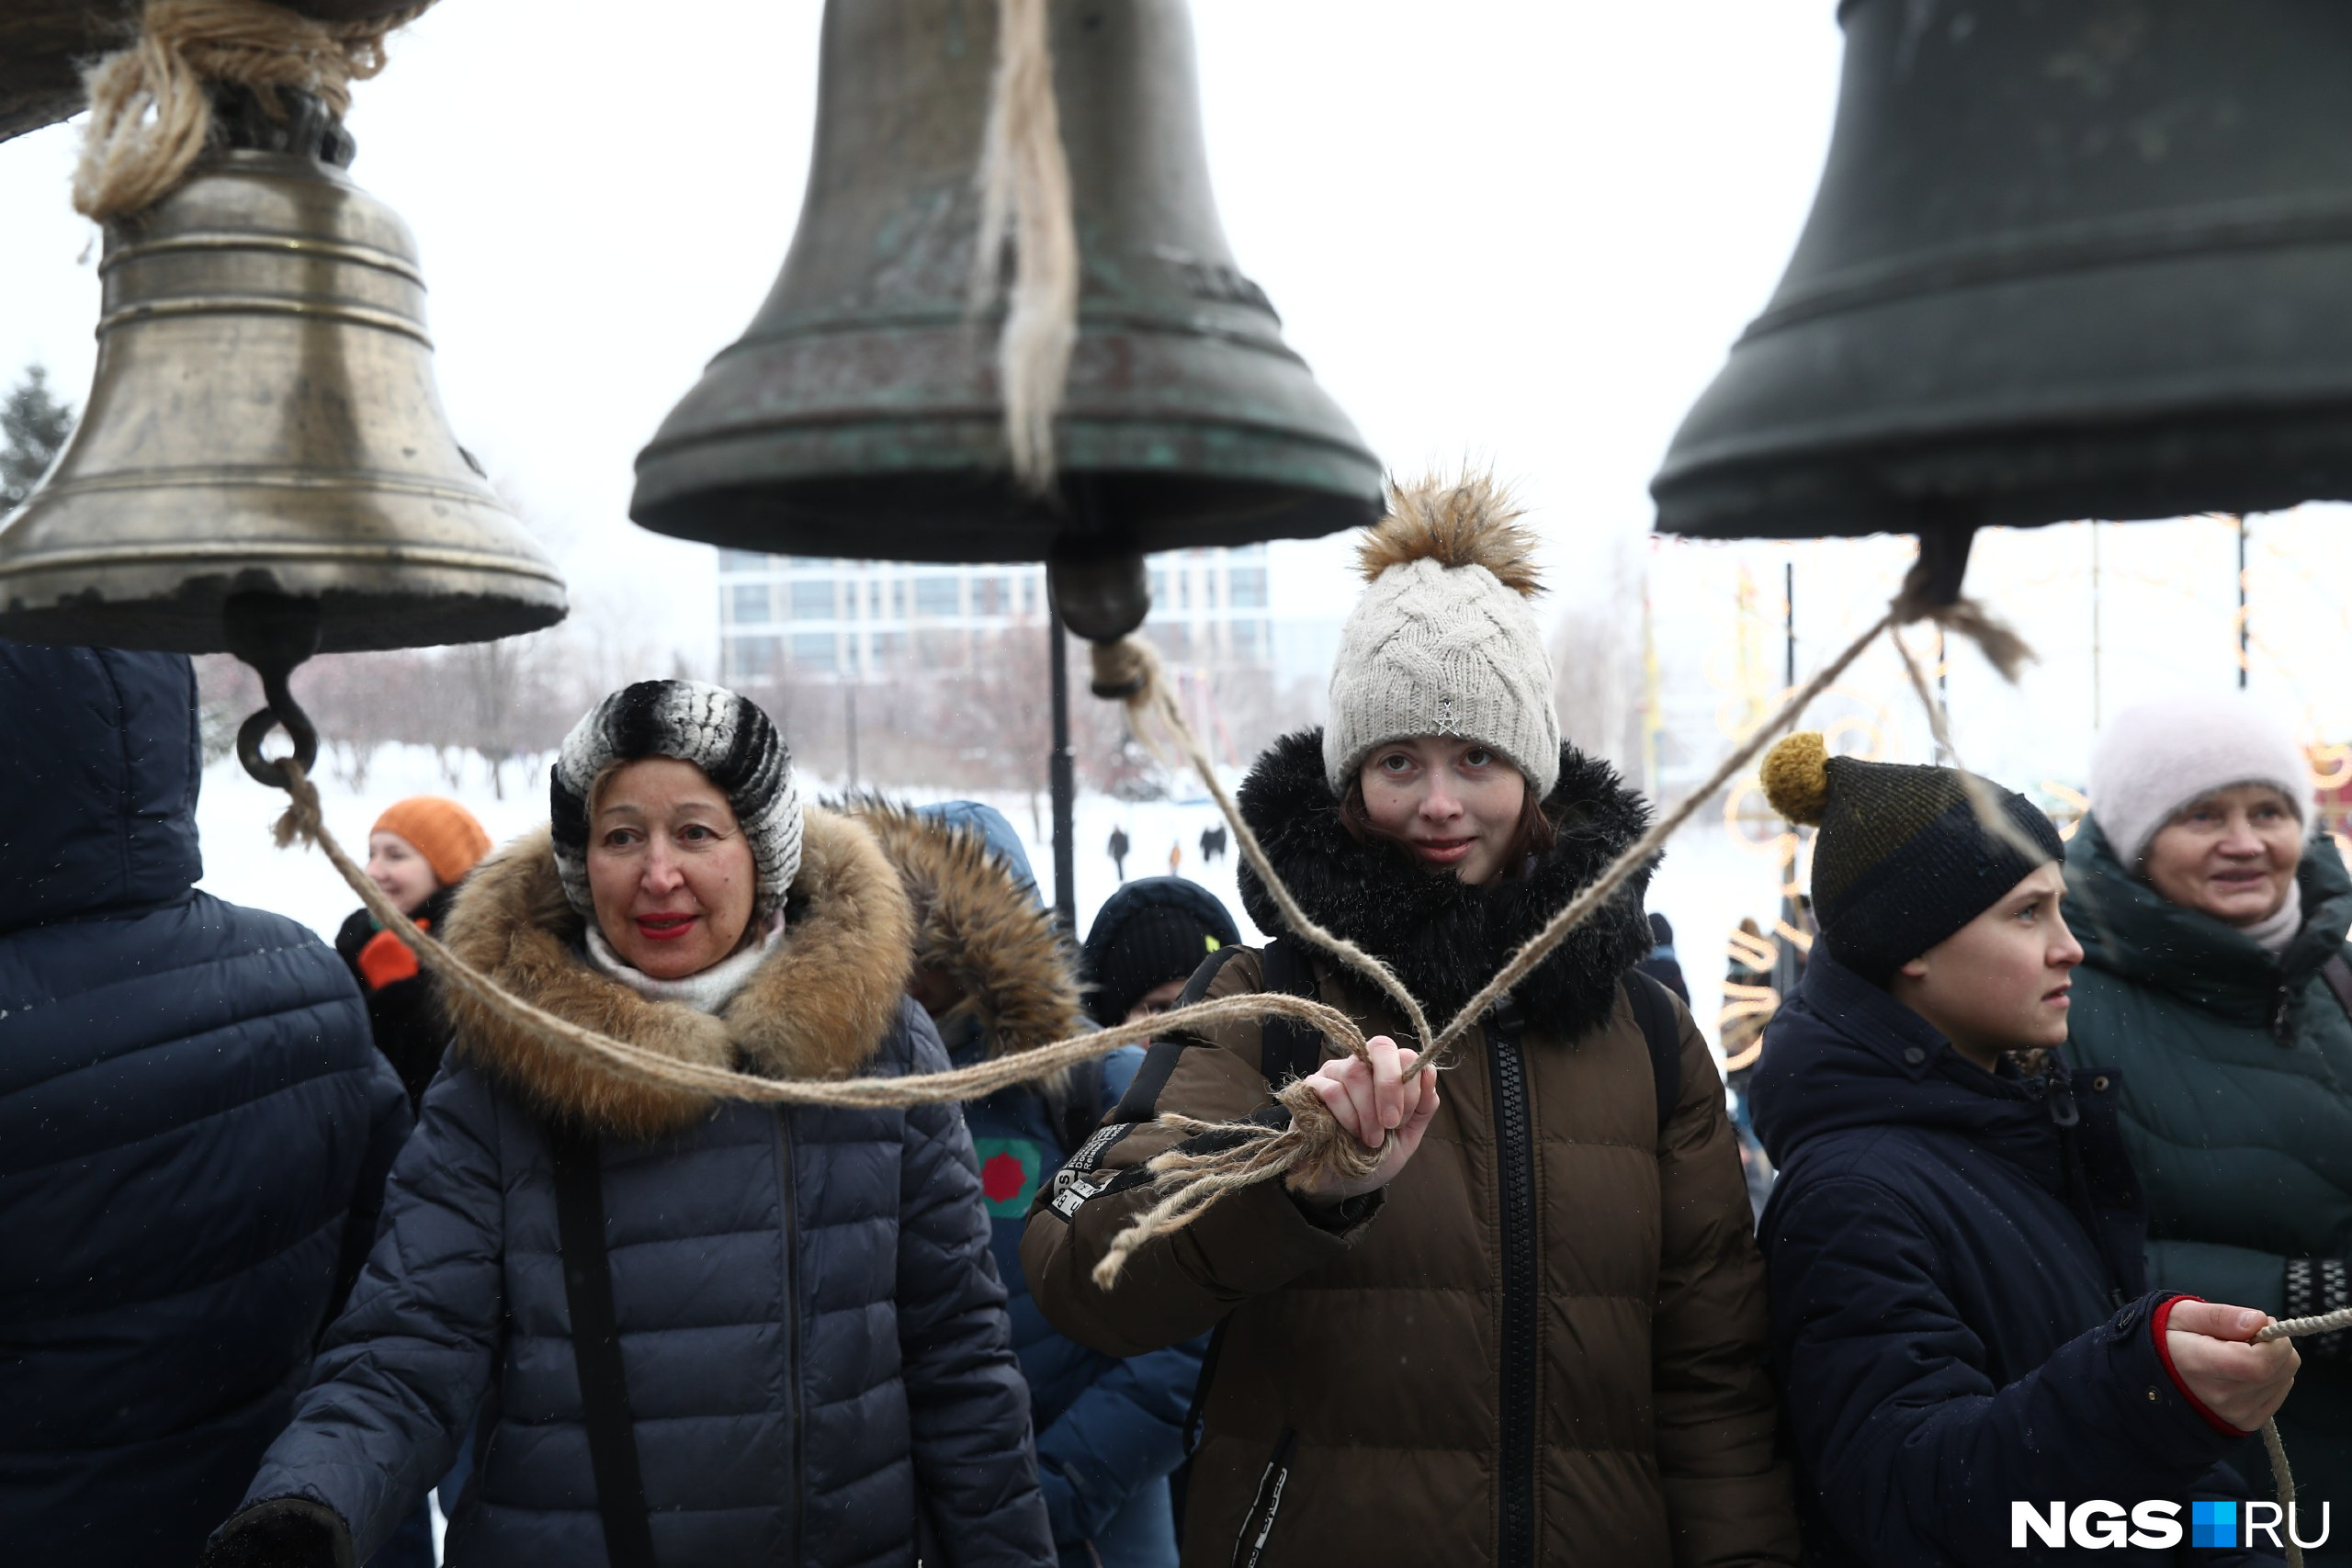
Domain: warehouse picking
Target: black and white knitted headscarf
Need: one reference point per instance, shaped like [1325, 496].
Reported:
[725, 735]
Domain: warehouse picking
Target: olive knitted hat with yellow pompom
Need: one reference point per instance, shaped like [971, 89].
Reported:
[1902, 860]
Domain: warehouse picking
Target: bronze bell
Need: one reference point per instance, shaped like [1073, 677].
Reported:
[2068, 260]
[264, 426]
[859, 415]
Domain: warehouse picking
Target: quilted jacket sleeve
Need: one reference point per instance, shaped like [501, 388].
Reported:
[1915, 1452]
[1254, 1241]
[967, 1402]
[1727, 1490]
[404, 1369]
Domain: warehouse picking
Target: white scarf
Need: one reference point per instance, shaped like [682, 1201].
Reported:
[2276, 931]
[706, 990]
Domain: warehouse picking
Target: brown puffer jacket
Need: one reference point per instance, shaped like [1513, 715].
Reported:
[1544, 1342]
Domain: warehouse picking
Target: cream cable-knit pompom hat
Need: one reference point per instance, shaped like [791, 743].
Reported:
[1443, 641]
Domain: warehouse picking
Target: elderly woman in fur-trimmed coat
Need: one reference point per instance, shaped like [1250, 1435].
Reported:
[698, 1331]
[996, 977]
[1536, 1333]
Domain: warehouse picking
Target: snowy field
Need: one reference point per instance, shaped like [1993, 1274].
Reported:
[1708, 882]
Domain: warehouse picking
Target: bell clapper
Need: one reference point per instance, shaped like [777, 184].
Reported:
[1946, 532]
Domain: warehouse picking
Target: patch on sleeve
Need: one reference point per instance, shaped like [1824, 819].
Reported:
[1009, 1172]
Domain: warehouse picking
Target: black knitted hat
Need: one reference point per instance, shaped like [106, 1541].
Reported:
[1903, 859]
[1150, 931]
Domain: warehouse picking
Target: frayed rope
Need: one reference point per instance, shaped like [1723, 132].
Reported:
[151, 115]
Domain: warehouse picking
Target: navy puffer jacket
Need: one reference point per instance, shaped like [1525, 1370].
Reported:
[812, 1334]
[1961, 1315]
[194, 1129]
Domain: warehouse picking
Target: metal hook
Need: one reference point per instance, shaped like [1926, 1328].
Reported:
[280, 708]
[273, 633]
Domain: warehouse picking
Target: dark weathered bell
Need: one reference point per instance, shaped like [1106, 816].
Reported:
[2069, 258]
[860, 414]
[264, 425]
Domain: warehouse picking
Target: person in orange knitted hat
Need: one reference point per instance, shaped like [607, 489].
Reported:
[418, 852]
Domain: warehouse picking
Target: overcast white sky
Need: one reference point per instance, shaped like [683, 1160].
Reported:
[1521, 231]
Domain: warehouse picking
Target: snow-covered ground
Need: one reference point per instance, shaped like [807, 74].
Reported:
[1708, 882]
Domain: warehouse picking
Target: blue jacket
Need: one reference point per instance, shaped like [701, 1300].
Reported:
[194, 1129]
[1961, 1316]
[1109, 1431]
[813, 1335]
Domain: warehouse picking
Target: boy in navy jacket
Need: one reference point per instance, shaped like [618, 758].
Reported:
[1961, 1316]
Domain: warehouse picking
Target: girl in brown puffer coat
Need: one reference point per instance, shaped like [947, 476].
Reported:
[1537, 1333]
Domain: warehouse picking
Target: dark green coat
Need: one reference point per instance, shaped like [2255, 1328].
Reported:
[2236, 1083]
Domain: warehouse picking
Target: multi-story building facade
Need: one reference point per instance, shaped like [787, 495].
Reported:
[804, 617]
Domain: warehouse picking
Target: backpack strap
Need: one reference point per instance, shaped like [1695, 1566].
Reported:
[597, 1349]
[1289, 1048]
[1654, 1012]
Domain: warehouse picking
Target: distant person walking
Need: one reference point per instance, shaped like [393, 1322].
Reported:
[1118, 847]
[1175, 857]
[194, 1129]
[1212, 842]
[418, 852]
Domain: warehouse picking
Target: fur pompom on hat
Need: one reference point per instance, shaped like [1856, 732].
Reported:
[723, 733]
[448, 835]
[2152, 760]
[1903, 859]
[1443, 641]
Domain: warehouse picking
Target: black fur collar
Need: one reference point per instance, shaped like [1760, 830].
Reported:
[1445, 940]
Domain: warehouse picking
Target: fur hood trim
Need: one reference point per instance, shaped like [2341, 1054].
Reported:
[818, 1008]
[1445, 940]
[981, 927]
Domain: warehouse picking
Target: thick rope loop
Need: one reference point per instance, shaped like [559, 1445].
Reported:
[151, 115]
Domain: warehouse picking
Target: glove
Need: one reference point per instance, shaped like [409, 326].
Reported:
[2317, 1285]
[281, 1532]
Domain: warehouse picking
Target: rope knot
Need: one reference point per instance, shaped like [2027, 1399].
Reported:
[1217, 1157]
[1922, 598]
[151, 116]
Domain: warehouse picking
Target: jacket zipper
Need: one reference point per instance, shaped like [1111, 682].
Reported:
[1258, 1524]
[2058, 1091]
[793, 1389]
[1515, 1181]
